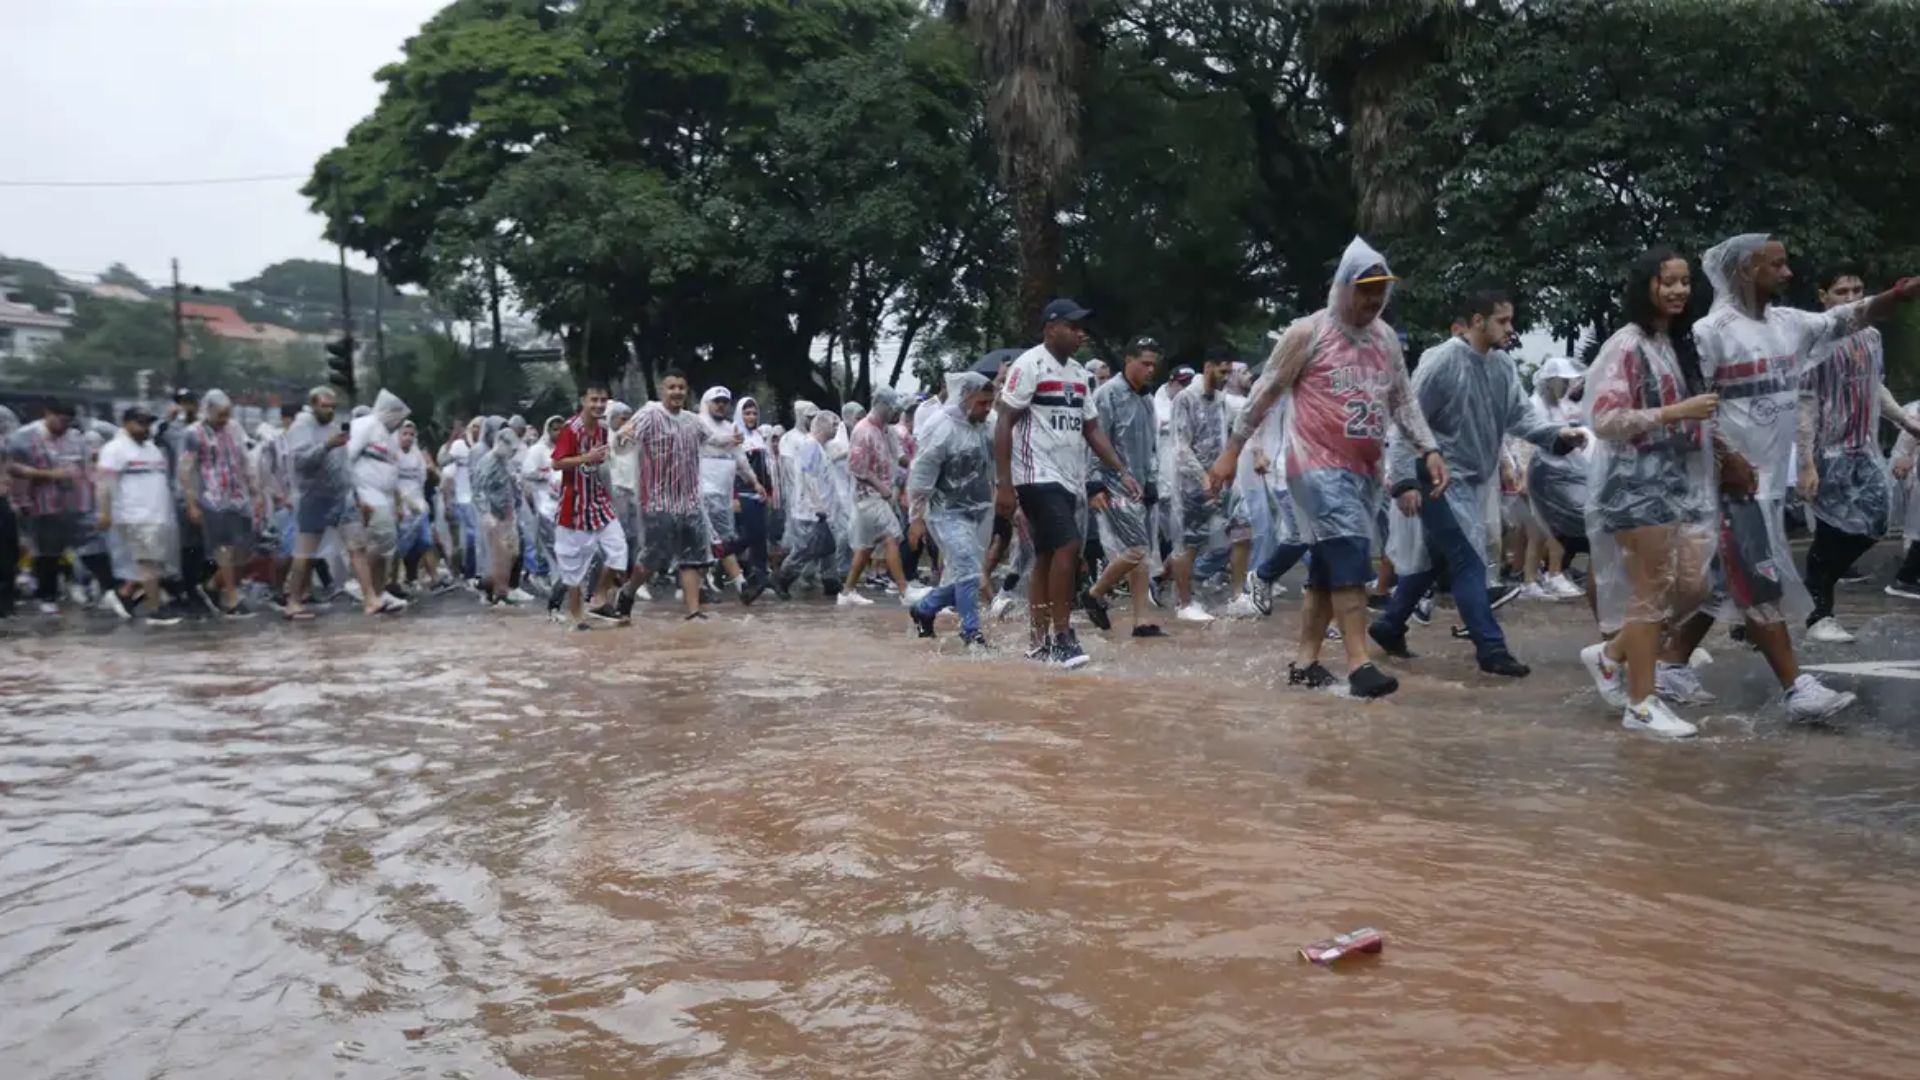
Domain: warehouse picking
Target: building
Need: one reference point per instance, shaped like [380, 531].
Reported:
[26, 333]
[223, 321]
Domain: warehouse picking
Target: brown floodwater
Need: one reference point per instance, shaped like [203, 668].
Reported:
[798, 844]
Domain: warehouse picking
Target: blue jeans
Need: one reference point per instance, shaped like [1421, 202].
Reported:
[1453, 554]
[963, 596]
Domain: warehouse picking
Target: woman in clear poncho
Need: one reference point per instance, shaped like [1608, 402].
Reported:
[1905, 466]
[950, 494]
[1556, 484]
[787, 480]
[495, 493]
[1651, 515]
[810, 504]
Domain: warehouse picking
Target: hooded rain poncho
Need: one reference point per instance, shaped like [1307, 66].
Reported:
[1757, 365]
[951, 483]
[1843, 396]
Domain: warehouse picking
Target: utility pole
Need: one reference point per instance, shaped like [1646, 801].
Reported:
[179, 334]
[346, 316]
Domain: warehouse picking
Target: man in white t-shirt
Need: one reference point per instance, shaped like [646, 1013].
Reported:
[1047, 423]
[373, 533]
[136, 503]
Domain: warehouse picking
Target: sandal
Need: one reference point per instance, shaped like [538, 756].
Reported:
[302, 615]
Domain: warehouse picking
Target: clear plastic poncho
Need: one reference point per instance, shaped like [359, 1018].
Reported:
[952, 478]
[1353, 387]
[1472, 402]
[1855, 494]
[1757, 366]
[1197, 434]
[812, 546]
[1652, 518]
[1906, 451]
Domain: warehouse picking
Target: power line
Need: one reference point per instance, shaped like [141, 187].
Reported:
[203, 182]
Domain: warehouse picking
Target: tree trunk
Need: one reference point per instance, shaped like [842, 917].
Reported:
[914, 321]
[1390, 199]
[493, 305]
[1039, 227]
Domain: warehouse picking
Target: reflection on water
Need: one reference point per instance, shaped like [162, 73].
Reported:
[649, 854]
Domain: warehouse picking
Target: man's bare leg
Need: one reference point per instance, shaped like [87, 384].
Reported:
[1350, 608]
[1237, 558]
[1315, 614]
[1039, 605]
[1774, 644]
[690, 587]
[891, 553]
[1060, 582]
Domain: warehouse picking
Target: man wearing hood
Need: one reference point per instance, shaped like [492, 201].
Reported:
[1756, 354]
[136, 504]
[873, 453]
[810, 498]
[222, 505]
[788, 481]
[1556, 484]
[322, 489]
[673, 518]
[950, 494]
[373, 530]
[1202, 417]
[1469, 391]
[723, 463]
[1348, 380]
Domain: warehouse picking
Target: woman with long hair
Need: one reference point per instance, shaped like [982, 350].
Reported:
[1652, 512]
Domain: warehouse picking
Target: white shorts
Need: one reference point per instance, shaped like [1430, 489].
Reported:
[574, 548]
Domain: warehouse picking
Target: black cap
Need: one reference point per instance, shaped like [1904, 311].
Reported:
[137, 412]
[184, 394]
[1063, 309]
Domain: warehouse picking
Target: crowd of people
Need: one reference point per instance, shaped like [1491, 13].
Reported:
[1669, 464]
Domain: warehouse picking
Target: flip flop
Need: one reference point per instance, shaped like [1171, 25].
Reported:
[300, 616]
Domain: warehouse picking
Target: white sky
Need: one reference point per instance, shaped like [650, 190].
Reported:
[181, 90]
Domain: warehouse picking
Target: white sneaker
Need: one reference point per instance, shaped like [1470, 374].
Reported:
[1699, 658]
[852, 599]
[352, 588]
[1808, 699]
[111, 602]
[1829, 631]
[1194, 613]
[1334, 633]
[914, 594]
[389, 605]
[1001, 606]
[1563, 586]
[1608, 677]
[1653, 717]
[643, 593]
[1679, 684]
[1242, 608]
[48, 607]
[520, 596]
[1533, 590]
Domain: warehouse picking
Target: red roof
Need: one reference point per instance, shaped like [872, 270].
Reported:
[223, 321]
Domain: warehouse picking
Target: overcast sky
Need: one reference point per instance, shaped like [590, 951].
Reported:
[181, 90]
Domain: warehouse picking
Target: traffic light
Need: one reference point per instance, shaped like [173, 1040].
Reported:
[340, 364]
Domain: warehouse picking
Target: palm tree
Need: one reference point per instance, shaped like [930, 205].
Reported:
[1370, 53]
[1031, 56]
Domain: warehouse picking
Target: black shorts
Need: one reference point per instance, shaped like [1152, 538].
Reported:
[1003, 531]
[1573, 545]
[1051, 517]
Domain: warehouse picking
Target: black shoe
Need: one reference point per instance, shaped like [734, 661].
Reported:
[751, 591]
[237, 611]
[1043, 652]
[1068, 653]
[1908, 590]
[1148, 630]
[1368, 681]
[398, 593]
[1423, 610]
[922, 624]
[1313, 676]
[1500, 596]
[1503, 663]
[1460, 633]
[1394, 645]
[975, 642]
[1854, 577]
[697, 616]
[581, 627]
[606, 612]
[163, 617]
[623, 605]
[1376, 602]
[830, 587]
[1096, 609]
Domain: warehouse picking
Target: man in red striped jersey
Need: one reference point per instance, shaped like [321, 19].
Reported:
[673, 517]
[585, 524]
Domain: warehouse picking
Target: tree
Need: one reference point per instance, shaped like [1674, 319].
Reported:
[36, 284]
[119, 274]
[1031, 56]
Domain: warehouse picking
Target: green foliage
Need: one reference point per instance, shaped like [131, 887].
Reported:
[36, 285]
[119, 274]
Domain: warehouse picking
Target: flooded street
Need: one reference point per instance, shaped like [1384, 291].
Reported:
[796, 843]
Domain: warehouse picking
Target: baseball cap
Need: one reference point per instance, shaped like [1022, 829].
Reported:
[1063, 308]
[1142, 344]
[184, 394]
[1182, 373]
[989, 365]
[137, 412]
[1375, 274]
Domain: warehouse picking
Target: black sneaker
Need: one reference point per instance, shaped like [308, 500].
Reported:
[1261, 592]
[697, 616]
[1368, 681]
[1096, 609]
[922, 624]
[1423, 610]
[1460, 633]
[398, 593]
[1148, 630]
[1907, 590]
[580, 628]
[1854, 577]
[975, 642]
[606, 612]
[1377, 602]
[1500, 596]
[1504, 664]
[1394, 645]
[1068, 654]
[751, 590]
[237, 611]
[1043, 652]
[1313, 676]
[163, 617]
[623, 605]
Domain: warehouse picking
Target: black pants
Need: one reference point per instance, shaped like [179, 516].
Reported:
[9, 556]
[1910, 568]
[750, 536]
[46, 570]
[1833, 553]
